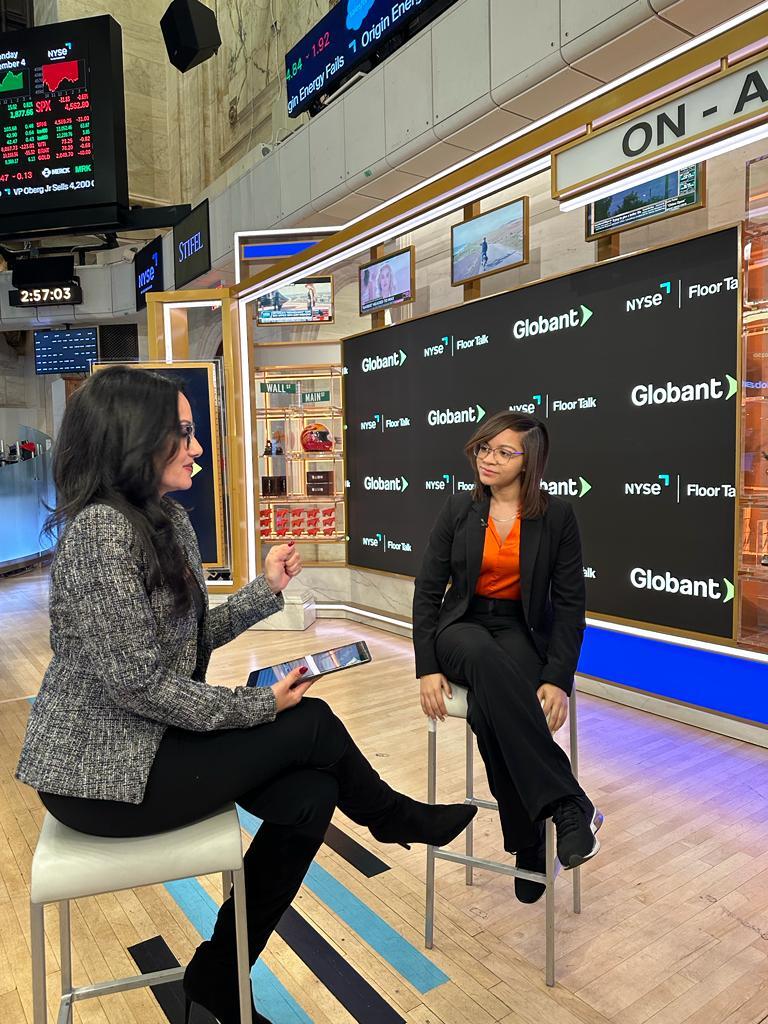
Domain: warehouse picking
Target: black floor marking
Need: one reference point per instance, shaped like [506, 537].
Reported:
[367, 863]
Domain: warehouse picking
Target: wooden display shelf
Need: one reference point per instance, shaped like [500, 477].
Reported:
[290, 412]
[306, 456]
[303, 539]
[309, 499]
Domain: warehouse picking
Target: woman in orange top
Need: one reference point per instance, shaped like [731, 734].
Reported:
[510, 629]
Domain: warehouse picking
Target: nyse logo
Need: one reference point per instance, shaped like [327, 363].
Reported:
[649, 301]
[378, 483]
[671, 393]
[440, 484]
[573, 488]
[372, 363]
[371, 424]
[665, 582]
[541, 324]
[447, 417]
[62, 51]
[439, 349]
[529, 408]
[372, 542]
[647, 489]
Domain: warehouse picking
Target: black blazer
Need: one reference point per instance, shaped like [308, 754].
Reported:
[551, 581]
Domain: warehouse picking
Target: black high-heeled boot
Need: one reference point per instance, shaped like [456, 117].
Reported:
[409, 821]
[392, 817]
[213, 985]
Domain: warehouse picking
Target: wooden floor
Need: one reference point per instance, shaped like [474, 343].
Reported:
[675, 921]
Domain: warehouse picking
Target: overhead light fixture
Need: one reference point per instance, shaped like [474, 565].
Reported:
[707, 152]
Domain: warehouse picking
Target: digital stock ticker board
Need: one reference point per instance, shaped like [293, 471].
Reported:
[633, 368]
[62, 124]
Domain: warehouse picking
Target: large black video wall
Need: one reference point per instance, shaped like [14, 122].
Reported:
[632, 366]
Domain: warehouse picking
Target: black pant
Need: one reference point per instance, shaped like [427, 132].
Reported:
[291, 773]
[528, 771]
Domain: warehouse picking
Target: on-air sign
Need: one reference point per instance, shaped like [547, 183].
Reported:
[727, 103]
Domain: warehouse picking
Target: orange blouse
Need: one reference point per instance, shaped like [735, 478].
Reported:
[500, 570]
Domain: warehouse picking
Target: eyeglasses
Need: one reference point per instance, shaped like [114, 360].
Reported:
[501, 455]
[187, 432]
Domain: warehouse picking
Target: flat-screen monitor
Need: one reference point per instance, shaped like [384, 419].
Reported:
[390, 281]
[309, 301]
[192, 245]
[148, 271]
[677, 192]
[492, 242]
[633, 367]
[62, 125]
[70, 351]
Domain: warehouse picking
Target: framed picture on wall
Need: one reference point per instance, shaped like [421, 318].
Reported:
[309, 301]
[677, 192]
[490, 243]
[389, 281]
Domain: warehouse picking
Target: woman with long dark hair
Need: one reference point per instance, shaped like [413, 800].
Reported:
[125, 737]
[510, 628]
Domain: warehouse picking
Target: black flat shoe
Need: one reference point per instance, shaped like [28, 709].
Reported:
[214, 987]
[412, 822]
[531, 858]
[577, 825]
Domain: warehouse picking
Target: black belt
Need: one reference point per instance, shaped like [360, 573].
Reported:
[495, 606]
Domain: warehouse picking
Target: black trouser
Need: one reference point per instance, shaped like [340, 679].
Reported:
[493, 655]
[291, 773]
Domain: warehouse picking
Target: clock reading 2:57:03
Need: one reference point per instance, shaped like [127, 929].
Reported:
[48, 295]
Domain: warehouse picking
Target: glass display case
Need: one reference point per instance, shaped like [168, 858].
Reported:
[300, 439]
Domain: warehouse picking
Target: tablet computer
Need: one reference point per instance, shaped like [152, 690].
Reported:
[320, 664]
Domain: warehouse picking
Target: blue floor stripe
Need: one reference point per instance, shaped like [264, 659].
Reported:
[272, 998]
[389, 944]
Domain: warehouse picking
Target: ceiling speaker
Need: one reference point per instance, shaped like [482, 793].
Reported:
[190, 32]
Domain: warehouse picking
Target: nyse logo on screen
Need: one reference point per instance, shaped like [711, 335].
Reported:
[532, 326]
[671, 393]
[529, 408]
[373, 363]
[448, 417]
[572, 488]
[640, 302]
[440, 348]
[666, 582]
[647, 488]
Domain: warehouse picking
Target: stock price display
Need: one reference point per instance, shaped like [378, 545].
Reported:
[60, 118]
[633, 368]
[346, 37]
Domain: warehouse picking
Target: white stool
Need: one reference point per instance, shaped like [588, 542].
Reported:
[457, 708]
[68, 865]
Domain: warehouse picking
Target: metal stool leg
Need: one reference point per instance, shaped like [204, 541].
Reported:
[243, 964]
[550, 902]
[37, 940]
[574, 733]
[470, 779]
[65, 953]
[226, 883]
[429, 914]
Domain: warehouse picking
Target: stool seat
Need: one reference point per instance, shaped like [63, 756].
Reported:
[456, 705]
[69, 864]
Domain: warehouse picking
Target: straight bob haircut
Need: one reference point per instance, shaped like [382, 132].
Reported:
[533, 500]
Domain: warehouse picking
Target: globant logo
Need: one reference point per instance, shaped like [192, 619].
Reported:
[371, 363]
[529, 328]
[710, 589]
[567, 488]
[671, 394]
[447, 417]
[378, 483]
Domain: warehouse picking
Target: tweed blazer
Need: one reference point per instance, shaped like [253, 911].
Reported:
[125, 666]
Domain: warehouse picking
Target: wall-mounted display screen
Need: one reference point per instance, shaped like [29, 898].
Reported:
[148, 271]
[66, 351]
[390, 281]
[62, 123]
[309, 301]
[192, 246]
[352, 33]
[677, 192]
[494, 241]
[633, 367]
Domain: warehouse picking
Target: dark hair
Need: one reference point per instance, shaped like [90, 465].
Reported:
[118, 431]
[533, 500]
